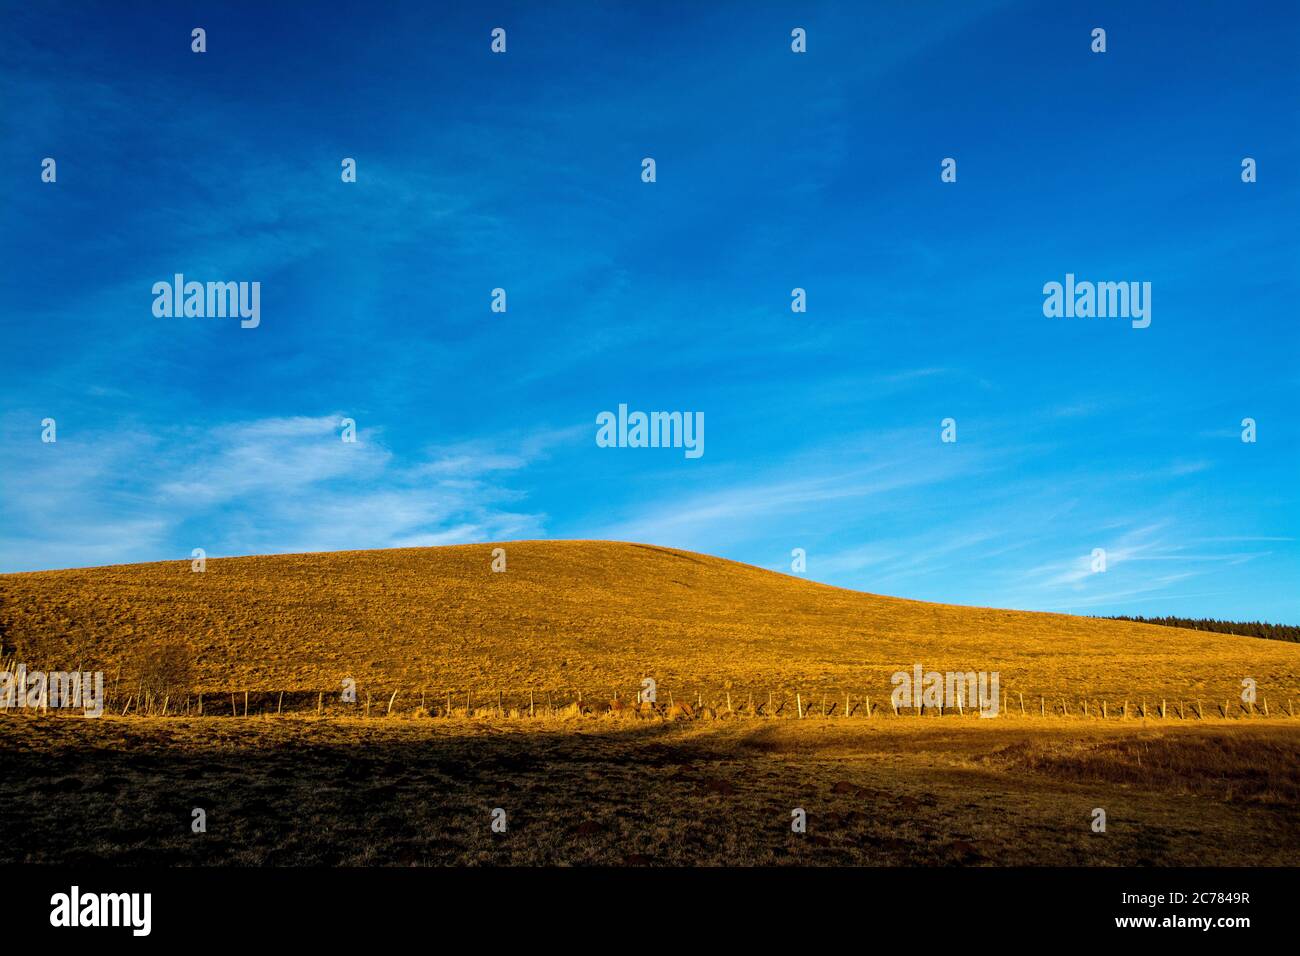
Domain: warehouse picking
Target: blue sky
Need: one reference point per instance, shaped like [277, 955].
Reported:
[774, 170]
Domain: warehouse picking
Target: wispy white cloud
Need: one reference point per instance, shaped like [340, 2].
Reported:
[732, 509]
[271, 455]
[266, 485]
[1081, 580]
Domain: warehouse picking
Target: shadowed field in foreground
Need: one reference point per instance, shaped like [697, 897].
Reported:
[338, 792]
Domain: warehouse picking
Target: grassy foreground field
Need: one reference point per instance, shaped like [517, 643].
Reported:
[888, 792]
[417, 785]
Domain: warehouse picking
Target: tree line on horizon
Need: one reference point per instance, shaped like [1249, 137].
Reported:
[1271, 632]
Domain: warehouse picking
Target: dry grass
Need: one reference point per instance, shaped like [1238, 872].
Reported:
[302, 791]
[596, 617]
[592, 616]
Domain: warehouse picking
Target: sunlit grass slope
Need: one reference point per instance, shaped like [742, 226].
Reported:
[595, 616]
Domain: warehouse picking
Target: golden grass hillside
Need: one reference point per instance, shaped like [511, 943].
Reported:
[593, 616]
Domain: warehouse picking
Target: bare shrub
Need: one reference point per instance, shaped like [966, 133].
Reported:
[164, 668]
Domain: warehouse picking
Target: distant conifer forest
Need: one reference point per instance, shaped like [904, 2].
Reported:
[1272, 632]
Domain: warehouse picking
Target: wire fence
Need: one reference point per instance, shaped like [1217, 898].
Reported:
[667, 704]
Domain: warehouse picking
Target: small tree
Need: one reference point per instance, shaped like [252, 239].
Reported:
[165, 668]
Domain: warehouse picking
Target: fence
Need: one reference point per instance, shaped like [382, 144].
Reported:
[551, 703]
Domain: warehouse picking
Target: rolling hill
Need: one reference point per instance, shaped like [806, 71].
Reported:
[588, 615]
